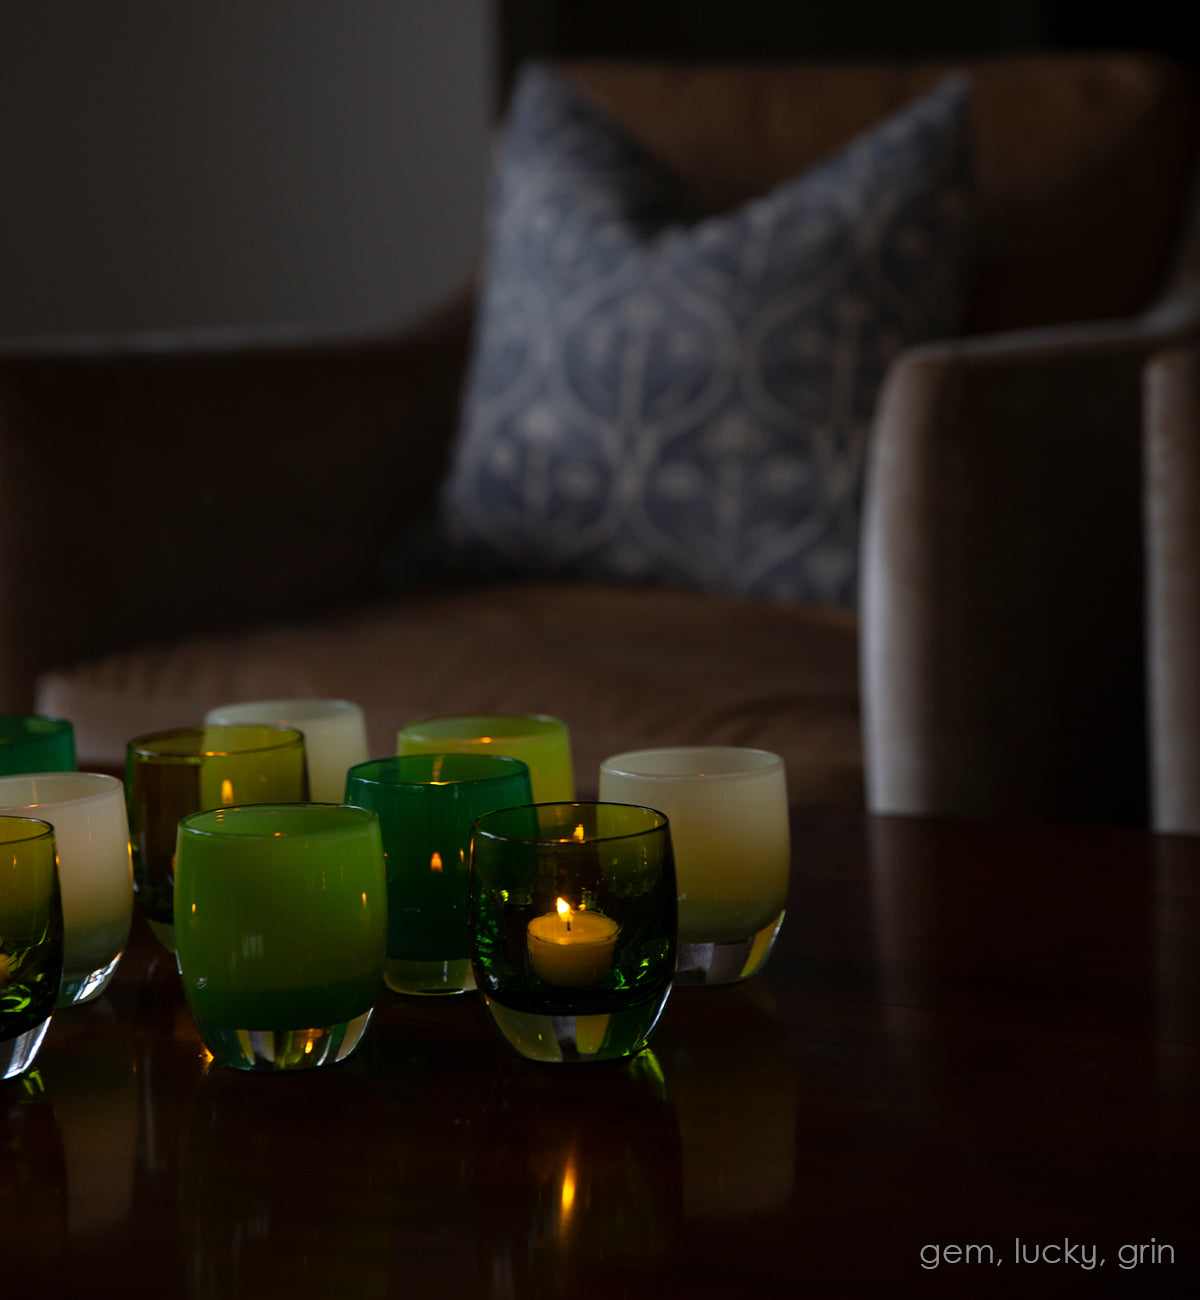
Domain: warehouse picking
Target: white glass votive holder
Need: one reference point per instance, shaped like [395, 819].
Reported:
[91, 833]
[728, 812]
[335, 736]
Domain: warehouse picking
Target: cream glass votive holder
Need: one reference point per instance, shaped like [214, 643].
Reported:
[728, 812]
[541, 742]
[335, 736]
[91, 834]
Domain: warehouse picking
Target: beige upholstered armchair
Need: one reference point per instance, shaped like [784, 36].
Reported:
[1172, 523]
[189, 519]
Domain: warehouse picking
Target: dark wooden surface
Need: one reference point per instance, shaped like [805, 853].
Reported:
[968, 1035]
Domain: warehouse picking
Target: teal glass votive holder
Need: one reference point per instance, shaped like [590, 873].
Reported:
[280, 930]
[426, 804]
[31, 939]
[573, 927]
[538, 740]
[29, 743]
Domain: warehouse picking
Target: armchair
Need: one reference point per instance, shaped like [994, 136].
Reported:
[193, 518]
[1172, 523]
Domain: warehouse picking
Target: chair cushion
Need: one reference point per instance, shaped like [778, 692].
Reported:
[625, 667]
[656, 396]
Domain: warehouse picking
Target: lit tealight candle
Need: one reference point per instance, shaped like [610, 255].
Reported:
[572, 948]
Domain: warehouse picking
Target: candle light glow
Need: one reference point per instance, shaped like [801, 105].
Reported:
[571, 948]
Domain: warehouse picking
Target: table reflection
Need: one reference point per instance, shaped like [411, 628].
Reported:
[1176, 964]
[732, 1081]
[33, 1179]
[582, 1173]
[91, 1082]
[258, 1215]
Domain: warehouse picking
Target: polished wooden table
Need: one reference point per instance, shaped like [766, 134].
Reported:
[972, 1065]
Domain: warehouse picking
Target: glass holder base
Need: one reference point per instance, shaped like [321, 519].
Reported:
[16, 1054]
[83, 988]
[725, 961]
[439, 978]
[569, 1039]
[282, 1049]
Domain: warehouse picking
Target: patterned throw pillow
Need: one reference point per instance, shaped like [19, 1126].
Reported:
[659, 396]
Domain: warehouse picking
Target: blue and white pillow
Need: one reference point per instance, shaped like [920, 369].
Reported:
[659, 396]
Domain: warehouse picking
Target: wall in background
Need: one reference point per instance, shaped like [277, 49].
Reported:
[750, 29]
[206, 162]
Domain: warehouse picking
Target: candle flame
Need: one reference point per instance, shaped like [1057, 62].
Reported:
[568, 1191]
[226, 791]
[564, 911]
[577, 834]
[435, 862]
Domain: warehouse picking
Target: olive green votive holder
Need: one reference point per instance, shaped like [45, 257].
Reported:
[169, 774]
[31, 940]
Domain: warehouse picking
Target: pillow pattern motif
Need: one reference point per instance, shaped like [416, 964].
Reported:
[659, 396]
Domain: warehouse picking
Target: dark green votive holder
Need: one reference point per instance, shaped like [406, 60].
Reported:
[426, 804]
[573, 927]
[29, 743]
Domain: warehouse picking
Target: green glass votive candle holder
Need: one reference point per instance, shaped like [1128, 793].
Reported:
[29, 743]
[426, 804]
[280, 931]
[31, 940]
[538, 740]
[169, 774]
[573, 927]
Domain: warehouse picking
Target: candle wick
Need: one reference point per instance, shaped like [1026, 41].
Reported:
[568, 921]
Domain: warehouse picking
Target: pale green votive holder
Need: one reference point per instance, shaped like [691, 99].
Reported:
[538, 740]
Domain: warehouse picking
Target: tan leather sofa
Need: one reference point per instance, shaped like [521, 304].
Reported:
[187, 519]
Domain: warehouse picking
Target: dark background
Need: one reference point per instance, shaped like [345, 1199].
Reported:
[740, 29]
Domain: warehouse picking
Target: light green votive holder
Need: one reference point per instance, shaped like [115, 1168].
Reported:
[538, 740]
[280, 931]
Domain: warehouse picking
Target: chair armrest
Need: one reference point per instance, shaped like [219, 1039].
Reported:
[168, 483]
[1172, 520]
[1002, 595]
